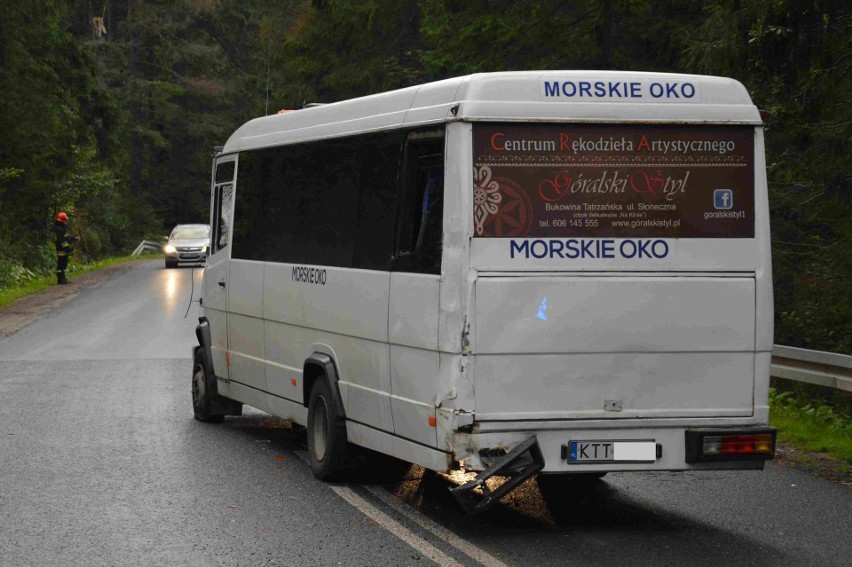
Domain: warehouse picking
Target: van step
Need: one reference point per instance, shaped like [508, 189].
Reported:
[519, 464]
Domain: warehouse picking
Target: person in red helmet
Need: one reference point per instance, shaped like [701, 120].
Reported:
[63, 246]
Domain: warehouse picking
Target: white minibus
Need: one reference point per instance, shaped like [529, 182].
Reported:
[562, 273]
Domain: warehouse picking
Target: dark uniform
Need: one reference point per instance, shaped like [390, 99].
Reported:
[63, 247]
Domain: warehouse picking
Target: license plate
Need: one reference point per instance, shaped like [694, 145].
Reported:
[617, 451]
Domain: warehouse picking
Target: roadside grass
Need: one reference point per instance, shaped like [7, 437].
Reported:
[10, 294]
[811, 424]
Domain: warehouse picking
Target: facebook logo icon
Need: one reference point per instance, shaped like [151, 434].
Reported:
[723, 199]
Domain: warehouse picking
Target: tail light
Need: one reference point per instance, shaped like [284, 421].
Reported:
[715, 445]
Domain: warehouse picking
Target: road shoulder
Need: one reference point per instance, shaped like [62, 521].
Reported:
[817, 464]
[25, 310]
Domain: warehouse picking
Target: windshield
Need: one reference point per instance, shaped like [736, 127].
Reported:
[190, 233]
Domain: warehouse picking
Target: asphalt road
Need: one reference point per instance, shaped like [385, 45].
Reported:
[101, 463]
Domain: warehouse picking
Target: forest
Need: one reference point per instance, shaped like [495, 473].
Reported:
[111, 109]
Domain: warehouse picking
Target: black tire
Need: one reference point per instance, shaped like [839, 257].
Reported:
[202, 399]
[327, 440]
[171, 264]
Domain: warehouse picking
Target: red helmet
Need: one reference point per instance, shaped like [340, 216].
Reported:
[61, 217]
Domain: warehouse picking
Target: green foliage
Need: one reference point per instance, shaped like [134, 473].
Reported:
[339, 49]
[501, 35]
[812, 423]
[813, 409]
[53, 117]
[14, 275]
[795, 57]
[33, 282]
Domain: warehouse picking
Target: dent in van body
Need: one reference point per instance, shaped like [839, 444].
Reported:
[454, 394]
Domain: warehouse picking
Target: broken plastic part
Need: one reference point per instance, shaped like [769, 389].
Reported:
[519, 464]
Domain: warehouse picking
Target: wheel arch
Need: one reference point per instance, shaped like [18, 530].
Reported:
[202, 333]
[220, 405]
[320, 366]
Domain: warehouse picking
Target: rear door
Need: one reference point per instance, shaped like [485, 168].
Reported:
[415, 287]
[616, 270]
[215, 292]
[564, 346]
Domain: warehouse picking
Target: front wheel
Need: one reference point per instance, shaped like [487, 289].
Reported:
[326, 433]
[202, 396]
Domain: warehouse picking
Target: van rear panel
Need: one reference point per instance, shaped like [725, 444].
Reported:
[551, 347]
[618, 277]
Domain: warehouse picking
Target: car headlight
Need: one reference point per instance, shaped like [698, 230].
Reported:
[169, 249]
[204, 249]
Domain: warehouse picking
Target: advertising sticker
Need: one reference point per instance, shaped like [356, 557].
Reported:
[622, 181]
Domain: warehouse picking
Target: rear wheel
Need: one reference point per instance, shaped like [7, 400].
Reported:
[202, 392]
[326, 433]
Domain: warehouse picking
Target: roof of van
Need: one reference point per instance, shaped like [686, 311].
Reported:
[552, 96]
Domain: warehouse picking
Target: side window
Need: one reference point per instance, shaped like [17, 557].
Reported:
[255, 218]
[225, 198]
[377, 185]
[329, 202]
[223, 202]
[421, 205]
[225, 172]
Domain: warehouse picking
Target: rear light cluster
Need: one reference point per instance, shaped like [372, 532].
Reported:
[741, 445]
[738, 444]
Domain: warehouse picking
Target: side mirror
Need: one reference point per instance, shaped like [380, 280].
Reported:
[165, 239]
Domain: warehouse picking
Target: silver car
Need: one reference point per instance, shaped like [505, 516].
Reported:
[188, 244]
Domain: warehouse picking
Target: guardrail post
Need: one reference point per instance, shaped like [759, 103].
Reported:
[147, 245]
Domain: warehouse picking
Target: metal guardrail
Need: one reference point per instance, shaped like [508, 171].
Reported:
[812, 366]
[147, 245]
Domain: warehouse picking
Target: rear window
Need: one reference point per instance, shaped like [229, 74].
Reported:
[566, 180]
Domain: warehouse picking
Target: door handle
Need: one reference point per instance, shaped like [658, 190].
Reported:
[222, 283]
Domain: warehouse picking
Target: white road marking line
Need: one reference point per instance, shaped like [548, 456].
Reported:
[420, 545]
[469, 549]
[479, 555]
[389, 524]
